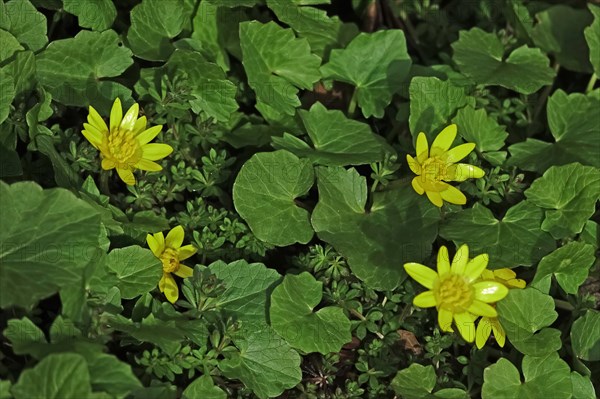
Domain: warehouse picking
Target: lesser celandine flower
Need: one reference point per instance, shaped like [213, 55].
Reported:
[455, 290]
[124, 145]
[488, 324]
[171, 252]
[437, 165]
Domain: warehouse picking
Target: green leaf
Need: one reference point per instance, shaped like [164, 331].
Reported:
[25, 23]
[569, 264]
[545, 341]
[577, 135]
[47, 240]
[10, 45]
[10, 163]
[591, 234]
[377, 77]
[414, 382]
[72, 69]
[137, 269]
[165, 334]
[265, 363]
[277, 64]
[5, 386]
[337, 140]
[109, 374]
[480, 55]
[25, 337]
[582, 386]
[204, 387]
[94, 14]
[585, 336]
[433, 103]
[58, 376]
[153, 24]
[233, 3]
[7, 94]
[398, 227]
[547, 376]
[211, 91]
[247, 289]
[592, 37]
[569, 194]
[292, 316]
[559, 32]
[264, 194]
[513, 241]
[22, 69]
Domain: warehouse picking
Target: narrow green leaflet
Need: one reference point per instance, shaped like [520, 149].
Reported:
[570, 266]
[433, 103]
[377, 77]
[337, 140]
[480, 55]
[265, 363]
[277, 64]
[264, 194]
[585, 336]
[48, 238]
[414, 382]
[293, 317]
[7, 93]
[559, 32]
[399, 227]
[516, 240]
[203, 387]
[247, 289]
[569, 194]
[574, 128]
[72, 69]
[592, 37]
[137, 269]
[94, 14]
[58, 376]
[153, 24]
[25, 23]
[545, 377]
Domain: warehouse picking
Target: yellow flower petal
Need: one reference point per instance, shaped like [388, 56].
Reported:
[463, 171]
[453, 195]
[489, 291]
[144, 164]
[504, 274]
[444, 140]
[421, 274]
[516, 283]
[175, 237]
[422, 148]
[116, 115]
[126, 175]
[156, 151]
[413, 164]
[476, 266]
[168, 285]
[160, 239]
[140, 125]
[499, 333]
[466, 326]
[96, 120]
[154, 245]
[459, 152]
[459, 263]
[417, 186]
[487, 275]
[479, 308]
[130, 118]
[92, 134]
[184, 271]
[108, 164]
[424, 300]
[484, 329]
[435, 198]
[149, 134]
[445, 320]
[443, 261]
[186, 251]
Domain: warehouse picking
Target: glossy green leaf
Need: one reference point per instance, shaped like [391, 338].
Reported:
[94, 14]
[592, 37]
[137, 269]
[7, 94]
[414, 382]
[582, 386]
[22, 69]
[585, 336]
[10, 45]
[203, 387]
[25, 23]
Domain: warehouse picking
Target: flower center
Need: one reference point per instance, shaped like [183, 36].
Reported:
[122, 147]
[170, 260]
[454, 293]
[434, 169]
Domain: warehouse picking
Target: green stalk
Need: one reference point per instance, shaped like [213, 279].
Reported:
[591, 83]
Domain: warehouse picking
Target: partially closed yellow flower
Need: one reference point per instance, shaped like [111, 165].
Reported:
[171, 252]
[438, 165]
[125, 144]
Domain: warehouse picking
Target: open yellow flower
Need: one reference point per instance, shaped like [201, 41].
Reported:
[171, 252]
[455, 291]
[436, 166]
[125, 145]
[488, 324]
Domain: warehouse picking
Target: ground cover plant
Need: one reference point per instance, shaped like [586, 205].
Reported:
[211, 199]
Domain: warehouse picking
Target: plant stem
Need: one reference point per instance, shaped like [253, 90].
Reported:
[104, 183]
[544, 95]
[591, 83]
[563, 305]
[352, 105]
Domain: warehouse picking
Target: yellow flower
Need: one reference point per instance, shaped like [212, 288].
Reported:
[435, 166]
[488, 324]
[171, 253]
[455, 291]
[125, 145]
